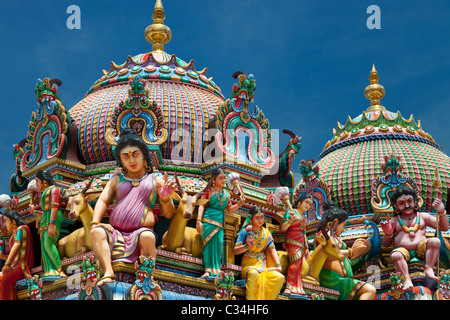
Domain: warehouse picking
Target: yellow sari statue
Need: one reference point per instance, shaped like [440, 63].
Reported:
[260, 263]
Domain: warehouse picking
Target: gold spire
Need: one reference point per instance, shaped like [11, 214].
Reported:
[158, 34]
[374, 92]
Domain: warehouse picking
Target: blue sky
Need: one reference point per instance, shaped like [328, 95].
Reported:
[311, 59]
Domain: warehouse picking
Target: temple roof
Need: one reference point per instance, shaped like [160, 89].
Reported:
[376, 122]
[188, 99]
[352, 159]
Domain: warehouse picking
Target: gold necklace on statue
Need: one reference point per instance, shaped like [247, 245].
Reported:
[259, 237]
[221, 196]
[410, 231]
[135, 182]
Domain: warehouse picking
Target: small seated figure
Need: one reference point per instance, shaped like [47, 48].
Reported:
[264, 281]
[20, 258]
[338, 274]
[407, 232]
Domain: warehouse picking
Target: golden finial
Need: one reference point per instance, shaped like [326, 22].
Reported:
[437, 182]
[158, 34]
[374, 92]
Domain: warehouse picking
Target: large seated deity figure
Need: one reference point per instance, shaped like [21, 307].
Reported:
[129, 233]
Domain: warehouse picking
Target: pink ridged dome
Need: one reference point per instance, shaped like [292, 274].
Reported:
[188, 100]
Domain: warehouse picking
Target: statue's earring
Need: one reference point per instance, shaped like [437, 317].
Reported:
[416, 208]
[397, 211]
[147, 167]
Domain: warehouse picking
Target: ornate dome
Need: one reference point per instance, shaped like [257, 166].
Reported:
[353, 158]
[186, 97]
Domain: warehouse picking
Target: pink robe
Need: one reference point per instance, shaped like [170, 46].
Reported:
[128, 217]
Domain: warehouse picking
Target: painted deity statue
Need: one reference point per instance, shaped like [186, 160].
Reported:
[260, 263]
[407, 232]
[20, 257]
[211, 219]
[129, 232]
[294, 226]
[338, 274]
[51, 222]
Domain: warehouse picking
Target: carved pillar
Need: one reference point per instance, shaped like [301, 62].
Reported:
[232, 223]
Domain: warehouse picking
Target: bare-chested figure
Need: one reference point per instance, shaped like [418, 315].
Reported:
[407, 231]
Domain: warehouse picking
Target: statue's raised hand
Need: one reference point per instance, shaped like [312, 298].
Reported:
[438, 206]
[166, 190]
[387, 228]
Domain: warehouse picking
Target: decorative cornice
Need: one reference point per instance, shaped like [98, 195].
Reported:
[150, 68]
[77, 168]
[330, 147]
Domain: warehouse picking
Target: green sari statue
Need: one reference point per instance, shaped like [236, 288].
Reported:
[210, 222]
[50, 254]
[212, 235]
[51, 222]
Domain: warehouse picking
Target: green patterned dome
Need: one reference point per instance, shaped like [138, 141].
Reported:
[352, 159]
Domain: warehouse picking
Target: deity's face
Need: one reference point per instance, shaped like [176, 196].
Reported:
[133, 160]
[405, 204]
[258, 220]
[305, 205]
[220, 180]
[9, 224]
[40, 184]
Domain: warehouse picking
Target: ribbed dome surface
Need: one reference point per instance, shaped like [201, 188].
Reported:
[187, 97]
[352, 159]
[350, 169]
